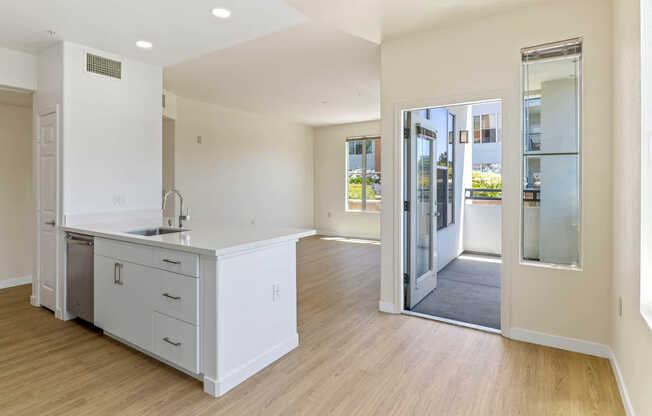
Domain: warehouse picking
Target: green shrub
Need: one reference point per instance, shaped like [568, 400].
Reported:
[487, 180]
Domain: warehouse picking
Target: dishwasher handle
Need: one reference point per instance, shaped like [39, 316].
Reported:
[80, 240]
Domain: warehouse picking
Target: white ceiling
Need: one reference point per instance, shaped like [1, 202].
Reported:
[308, 73]
[178, 29]
[310, 61]
[377, 20]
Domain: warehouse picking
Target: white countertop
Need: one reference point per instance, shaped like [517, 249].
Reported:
[202, 237]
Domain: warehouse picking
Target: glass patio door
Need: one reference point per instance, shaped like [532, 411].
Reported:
[422, 213]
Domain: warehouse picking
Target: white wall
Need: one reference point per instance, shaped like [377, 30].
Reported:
[450, 241]
[50, 80]
[18, 69]
[112, 141]
[169, 130]
[16, 203]
[567, 303]
[631, 336]
[247, 167]
[482, 231]
[330, 183]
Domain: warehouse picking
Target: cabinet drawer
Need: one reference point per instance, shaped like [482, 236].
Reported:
[177, 296]
[177, 342]
[176, 261]
[133, 253]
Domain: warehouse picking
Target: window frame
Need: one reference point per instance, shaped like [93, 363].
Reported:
[364, 140]
[645, 265]
[580, 170]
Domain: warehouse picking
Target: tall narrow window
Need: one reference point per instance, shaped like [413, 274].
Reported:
[551, 106]
[450, 214]
[363, 177]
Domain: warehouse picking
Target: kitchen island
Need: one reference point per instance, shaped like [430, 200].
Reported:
[217, 302]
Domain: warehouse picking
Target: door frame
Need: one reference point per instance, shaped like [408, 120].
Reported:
[510, 191]
[35, 298]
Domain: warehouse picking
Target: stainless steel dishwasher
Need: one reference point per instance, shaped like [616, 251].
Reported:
[79, 271]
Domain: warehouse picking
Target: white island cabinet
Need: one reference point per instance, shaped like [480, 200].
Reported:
[218, 310]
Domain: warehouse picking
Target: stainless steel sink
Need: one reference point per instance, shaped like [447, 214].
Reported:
[148, 232]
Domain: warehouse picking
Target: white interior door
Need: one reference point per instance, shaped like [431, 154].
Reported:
[422, 216]
[46, 210]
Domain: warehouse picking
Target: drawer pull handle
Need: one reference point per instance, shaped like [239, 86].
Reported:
[172, 261]
[167, 295]
[117, 274]
[176, 344]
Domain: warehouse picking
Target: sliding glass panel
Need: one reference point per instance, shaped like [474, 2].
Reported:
[551, 110]
[551, 154]
[551, 211]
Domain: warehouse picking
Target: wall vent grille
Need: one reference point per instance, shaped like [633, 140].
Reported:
[103, 66]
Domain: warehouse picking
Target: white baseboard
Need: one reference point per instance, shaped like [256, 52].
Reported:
[17, 281]
[386, 307]
[348, 235]
[624, 395]
[240, 374]
[563, 343]
[64, 315]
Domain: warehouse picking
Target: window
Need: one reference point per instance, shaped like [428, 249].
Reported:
[485, 127]
[363, 174]
[445, 159]
[551, 106]
[450, 213]
[646, 164]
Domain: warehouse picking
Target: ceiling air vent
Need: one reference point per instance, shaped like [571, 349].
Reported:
[103, 66]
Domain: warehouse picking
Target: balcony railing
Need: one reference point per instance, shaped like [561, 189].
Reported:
[483, 194]
[530, 195]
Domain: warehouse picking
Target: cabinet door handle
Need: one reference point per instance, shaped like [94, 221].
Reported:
[52, 223]
[176, 344]
[172, 261]
[117, 274]
[167, 295]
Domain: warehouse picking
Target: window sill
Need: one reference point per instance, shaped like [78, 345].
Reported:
[550, 266]
[357, 211]
[646, 312]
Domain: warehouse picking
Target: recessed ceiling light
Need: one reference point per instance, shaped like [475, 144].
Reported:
[221, 13]
[144, 44]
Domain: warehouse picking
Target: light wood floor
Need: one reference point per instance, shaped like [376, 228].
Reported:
[352, 360]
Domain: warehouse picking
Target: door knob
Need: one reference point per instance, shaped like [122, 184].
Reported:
[51, 222]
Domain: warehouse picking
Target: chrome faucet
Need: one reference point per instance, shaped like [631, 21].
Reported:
[182, 217]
